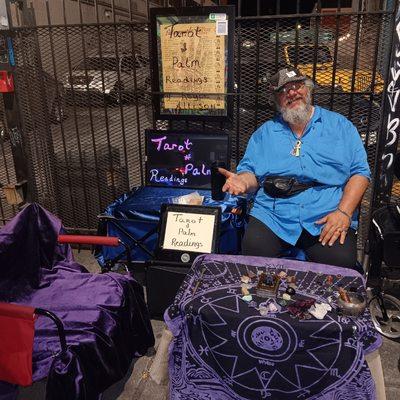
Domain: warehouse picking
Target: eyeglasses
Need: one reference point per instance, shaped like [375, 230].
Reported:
[291, 86]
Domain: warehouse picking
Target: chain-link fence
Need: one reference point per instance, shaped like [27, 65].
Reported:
[85, 97]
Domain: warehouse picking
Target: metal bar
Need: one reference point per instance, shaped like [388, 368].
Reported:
[113, 11]
[316, 41]
[5, 163]
[137, 107]
[308, 15]
[353, 78]
[121, 100]
[63, 14]
[7, 176]
[8, 179]
[369, 210]
[136, 242]
[143, 20]
[3, 218]
[76, 121]
[257, 68]
[96, 8]
[238, 76]
[30, 102]
[296, 36]
[277, 26]
[105, 107]
[59, 109]
[119, 94]
[99, 191]
[152, 99]
[88, 231]
[335, 55]
[367, 92]
[48, 159]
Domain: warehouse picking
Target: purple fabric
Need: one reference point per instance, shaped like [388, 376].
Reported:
[224, 349]
[25, 250]
[66, 378]
[8, 391]
[104, 315]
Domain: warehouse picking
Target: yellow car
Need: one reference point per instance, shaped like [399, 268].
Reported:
[303, 57]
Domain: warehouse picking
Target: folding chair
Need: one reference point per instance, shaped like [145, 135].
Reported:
[16, 341]
[105, 316]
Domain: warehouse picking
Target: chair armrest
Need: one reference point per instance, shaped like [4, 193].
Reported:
[93, 240]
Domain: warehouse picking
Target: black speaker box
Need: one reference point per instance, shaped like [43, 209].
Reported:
[162, 284]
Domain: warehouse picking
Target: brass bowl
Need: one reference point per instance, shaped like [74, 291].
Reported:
[356, 307]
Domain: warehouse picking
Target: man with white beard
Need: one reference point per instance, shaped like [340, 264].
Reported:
[308, 169]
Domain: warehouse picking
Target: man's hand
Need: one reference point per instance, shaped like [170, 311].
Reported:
[234, 184]
[336, 226]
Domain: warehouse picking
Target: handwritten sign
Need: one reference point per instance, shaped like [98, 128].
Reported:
[183, 159]
[189, 232]
[194, 72]
[193, 62]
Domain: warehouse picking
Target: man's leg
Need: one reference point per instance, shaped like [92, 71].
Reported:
[341, 255]
[259, 240]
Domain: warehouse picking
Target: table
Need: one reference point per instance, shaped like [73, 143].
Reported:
[224, 349]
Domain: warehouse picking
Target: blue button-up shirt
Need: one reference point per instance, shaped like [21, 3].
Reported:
[331, 152]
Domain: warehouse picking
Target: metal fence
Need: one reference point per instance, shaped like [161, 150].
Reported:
[85, 99]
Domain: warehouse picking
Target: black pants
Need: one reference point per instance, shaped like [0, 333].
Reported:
[259, 240]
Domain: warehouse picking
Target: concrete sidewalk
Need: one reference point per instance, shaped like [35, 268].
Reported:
[137, 384]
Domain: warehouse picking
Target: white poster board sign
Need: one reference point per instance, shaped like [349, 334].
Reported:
[189, 232]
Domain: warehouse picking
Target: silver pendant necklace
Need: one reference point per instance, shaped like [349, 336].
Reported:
[296, 149]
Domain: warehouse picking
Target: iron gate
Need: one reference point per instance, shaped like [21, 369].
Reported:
[85, 99]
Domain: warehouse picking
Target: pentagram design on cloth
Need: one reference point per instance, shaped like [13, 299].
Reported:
[265, 355]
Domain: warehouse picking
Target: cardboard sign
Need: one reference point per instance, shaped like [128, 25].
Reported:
[187, 65]
[194, 73]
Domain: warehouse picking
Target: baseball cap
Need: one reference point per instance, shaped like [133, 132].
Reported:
[284, 76]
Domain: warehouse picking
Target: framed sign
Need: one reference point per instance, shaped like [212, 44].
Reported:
[177, 158]
[193, 74]
[187, 231]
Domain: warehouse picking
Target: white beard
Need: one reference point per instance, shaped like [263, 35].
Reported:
[300, 115]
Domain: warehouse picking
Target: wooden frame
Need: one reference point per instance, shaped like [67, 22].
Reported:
[194, 62]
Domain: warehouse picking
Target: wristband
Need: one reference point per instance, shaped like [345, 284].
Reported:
[345, 213]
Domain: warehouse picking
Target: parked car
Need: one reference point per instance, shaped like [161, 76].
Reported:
[296, 48]
[111, 76]
[304, 56]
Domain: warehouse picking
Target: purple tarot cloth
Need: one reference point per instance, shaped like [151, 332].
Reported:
[223, 347]
[104, 315]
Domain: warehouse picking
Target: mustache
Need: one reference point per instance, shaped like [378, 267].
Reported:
[290, 101]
